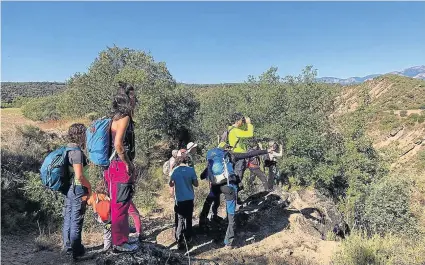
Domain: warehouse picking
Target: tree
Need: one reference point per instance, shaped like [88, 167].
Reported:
[164, 113]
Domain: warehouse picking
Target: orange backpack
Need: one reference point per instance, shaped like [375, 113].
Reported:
[103, 209]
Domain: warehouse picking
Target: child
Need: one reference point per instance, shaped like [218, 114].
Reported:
[101, 207]
[100, 202]
[183, 179]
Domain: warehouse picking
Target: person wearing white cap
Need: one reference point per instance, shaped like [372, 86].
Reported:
[191, 150]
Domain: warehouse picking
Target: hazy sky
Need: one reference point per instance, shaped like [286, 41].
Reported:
[213, 42]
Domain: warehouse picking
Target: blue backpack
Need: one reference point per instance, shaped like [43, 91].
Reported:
[219, 166]
[98, 141]
[54, 170]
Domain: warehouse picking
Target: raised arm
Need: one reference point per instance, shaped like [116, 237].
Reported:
[250, 154]
[245, 134]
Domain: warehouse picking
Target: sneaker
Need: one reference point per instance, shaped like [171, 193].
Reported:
[133, 240]
[126, 248]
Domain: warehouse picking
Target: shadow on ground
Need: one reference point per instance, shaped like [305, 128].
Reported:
[262, 214]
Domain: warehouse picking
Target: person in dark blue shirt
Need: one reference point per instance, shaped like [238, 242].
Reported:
[183, 178]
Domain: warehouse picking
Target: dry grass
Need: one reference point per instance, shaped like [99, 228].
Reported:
[13, 117]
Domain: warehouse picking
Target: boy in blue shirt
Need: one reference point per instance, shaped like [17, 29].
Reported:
[183, 178]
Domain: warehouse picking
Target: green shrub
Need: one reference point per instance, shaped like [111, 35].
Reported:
[150, 181]
[421, 118]
[389, 122]
[50, 204]
[403, 113]
[25, 203]
[389, 250]
[387, 208]
[42, 109]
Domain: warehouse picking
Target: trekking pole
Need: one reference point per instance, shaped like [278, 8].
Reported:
[185, 243]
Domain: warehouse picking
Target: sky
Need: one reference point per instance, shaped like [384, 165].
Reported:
[213, 42]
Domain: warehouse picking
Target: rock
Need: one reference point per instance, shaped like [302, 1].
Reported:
[149, 254]
[418, 141]
[395, 131]
[407, 149]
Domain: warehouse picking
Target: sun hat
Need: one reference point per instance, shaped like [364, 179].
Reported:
[191, 145]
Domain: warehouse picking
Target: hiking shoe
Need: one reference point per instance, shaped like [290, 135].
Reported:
[133, 240]
[181, 246]
[66, 251]
[79, 252]
[228, 247]
[217, 219]
[125, 248]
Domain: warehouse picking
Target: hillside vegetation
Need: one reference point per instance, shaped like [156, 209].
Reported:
[11, 91]
[332, 139]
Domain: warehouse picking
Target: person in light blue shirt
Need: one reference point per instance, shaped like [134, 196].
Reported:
[183, 178]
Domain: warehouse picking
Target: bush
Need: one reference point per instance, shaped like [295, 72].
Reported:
[42, 109]
[403, 113]
[421, 118]
[376, 250]
[389, 122]
[25, 203]
[150, 181]
[387, 208]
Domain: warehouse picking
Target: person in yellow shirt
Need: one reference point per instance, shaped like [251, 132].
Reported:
[236, 139]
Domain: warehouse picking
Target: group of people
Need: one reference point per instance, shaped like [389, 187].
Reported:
[226, 165]
[112, 197]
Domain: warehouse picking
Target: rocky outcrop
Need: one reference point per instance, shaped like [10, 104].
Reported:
[395, 131]
[150, 254]
[264, 214]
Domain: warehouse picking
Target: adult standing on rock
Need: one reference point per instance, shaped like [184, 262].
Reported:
[76, 196]
[120, 174]
[191, 151]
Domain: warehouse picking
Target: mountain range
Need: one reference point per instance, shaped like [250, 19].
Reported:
[417, 72]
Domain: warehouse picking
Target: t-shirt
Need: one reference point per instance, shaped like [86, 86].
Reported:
[183, 177]
[237, 135]
[77, 157]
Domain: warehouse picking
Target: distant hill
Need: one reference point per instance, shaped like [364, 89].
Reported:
[417, 72]
[11, 90]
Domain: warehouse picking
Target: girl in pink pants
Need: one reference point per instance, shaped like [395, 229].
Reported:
[121, 191]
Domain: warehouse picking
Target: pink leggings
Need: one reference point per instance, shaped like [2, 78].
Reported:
[134, 213]
[121, 192]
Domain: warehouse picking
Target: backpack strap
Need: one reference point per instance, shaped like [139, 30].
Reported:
[228, 142]
[67, 149]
